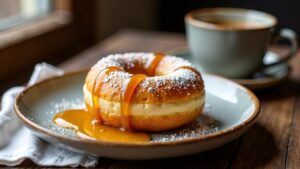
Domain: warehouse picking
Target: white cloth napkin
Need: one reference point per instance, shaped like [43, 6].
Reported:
[17, 143]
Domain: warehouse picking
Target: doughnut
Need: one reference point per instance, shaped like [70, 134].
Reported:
[144, 91]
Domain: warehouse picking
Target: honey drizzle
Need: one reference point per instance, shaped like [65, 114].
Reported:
[80, 121]
[152, 67]
[126, 98]
[97, 89]
[128, 90]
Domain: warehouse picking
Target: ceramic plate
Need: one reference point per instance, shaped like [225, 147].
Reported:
[259, 80]
[230, 111]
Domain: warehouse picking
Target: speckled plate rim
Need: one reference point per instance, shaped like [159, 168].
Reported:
[221, 133]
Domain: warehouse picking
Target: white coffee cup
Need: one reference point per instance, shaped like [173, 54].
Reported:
[232, 42]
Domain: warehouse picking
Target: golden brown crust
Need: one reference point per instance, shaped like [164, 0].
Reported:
[167, 86]
[174, 81]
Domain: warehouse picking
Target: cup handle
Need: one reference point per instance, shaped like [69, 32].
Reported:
[291, 36]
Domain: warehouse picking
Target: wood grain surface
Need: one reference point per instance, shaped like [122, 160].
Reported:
[273, 142]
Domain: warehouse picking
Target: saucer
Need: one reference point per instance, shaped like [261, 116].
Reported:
[259, 80]
[230, 111]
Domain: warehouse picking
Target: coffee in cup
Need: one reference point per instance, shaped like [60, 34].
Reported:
[232, 42]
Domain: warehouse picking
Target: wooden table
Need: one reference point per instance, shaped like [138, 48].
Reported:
[273, 142]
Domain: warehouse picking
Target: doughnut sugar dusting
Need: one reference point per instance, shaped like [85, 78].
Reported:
[127, 60]
[172, 97]
[176, 81]
[157, 86]
[165, 86]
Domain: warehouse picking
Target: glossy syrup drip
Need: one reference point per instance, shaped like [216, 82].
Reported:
[97, 89]
[129, 88]
[80, 121]
[126, 98]
[152, 67]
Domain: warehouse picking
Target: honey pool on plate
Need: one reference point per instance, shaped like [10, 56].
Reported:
[81, 122]
[229, 111]
[89, 124]
[203, 125]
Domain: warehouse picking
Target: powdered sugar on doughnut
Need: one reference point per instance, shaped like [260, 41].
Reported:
[172, 80]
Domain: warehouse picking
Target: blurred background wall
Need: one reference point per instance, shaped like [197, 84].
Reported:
[113, 15]
[33, 31]
[287, 11]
